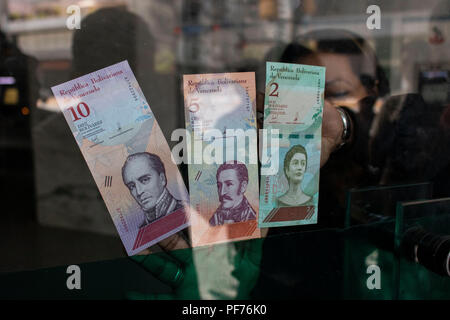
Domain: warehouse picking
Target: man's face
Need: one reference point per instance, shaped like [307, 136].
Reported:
[230, 190]
[297, 167]
[144, 183]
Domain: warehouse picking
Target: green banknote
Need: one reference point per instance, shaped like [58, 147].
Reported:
[293, 110]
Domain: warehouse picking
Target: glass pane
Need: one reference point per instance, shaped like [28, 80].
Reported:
[387, 67]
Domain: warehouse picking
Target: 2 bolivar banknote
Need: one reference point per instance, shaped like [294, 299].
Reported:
[137, 174]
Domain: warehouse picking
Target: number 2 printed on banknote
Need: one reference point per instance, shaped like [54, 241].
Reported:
[127, 155]
[293, 105]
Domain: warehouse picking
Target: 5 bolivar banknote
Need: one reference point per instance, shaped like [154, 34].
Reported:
[223, 184]
[135, 172]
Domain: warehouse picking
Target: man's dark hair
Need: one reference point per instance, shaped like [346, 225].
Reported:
[154, 161]
[292, 151]
[240, 168]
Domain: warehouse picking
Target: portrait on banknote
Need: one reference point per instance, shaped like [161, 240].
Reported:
[232, 181]
[144, 175]
[294, 168]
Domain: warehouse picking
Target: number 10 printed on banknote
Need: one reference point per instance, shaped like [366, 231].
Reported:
[127, 155]
[293, 105]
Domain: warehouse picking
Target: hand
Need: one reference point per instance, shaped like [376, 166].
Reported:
[332, 129]
[172, 267]
[224, 271]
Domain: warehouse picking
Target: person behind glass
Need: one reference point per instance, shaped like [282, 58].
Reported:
[354, 82]
[354, 78]
[353, 72]
[295, 164]
[232, 182]
[111, 35]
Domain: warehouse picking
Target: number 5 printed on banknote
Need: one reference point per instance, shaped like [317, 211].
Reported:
[127, 155]
[223, 167]
[293, 105]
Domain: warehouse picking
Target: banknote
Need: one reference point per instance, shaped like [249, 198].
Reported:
[223, 167]
[293, 106]
[127, 154]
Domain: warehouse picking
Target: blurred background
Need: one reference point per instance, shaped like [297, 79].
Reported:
[52, 213]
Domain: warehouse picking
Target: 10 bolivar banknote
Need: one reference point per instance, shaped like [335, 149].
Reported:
[293, 105]
[220, 114]
[127, 154]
